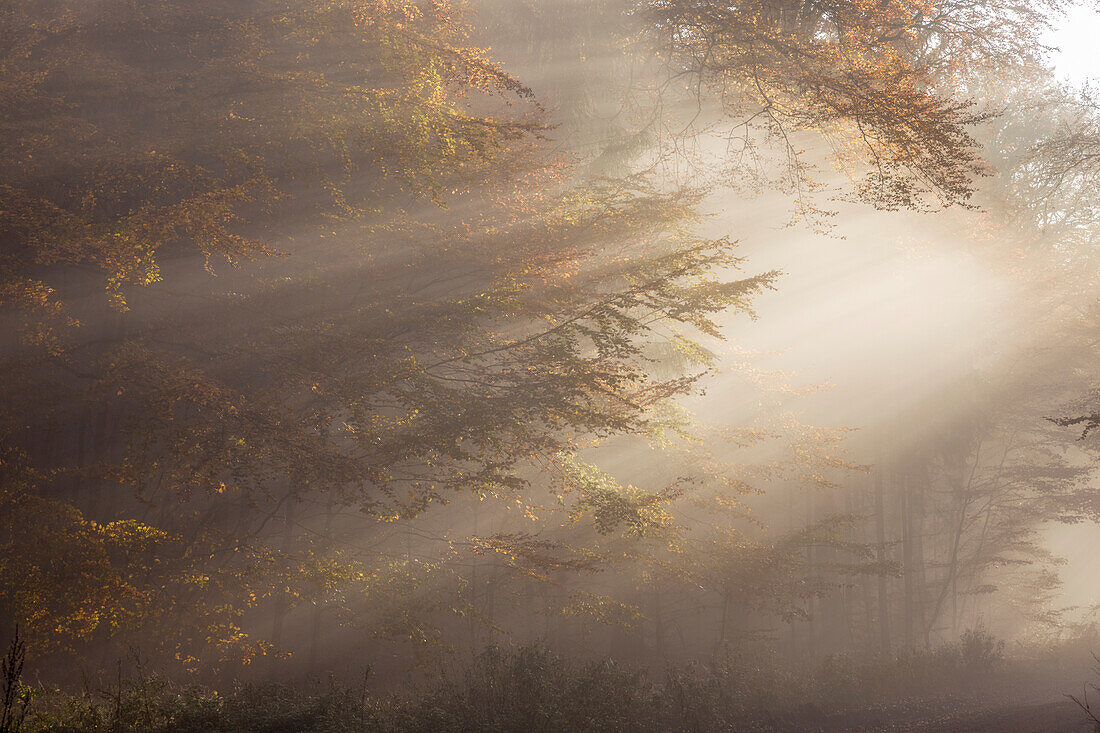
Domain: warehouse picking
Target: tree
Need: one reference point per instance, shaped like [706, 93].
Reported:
[869, 74]
[437, 307]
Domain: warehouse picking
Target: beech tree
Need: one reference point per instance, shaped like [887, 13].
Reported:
[280, 278]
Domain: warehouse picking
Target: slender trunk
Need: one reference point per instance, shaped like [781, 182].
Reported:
[920, 567]
[315, 622]
[811, 648]
[907, 558]
[720, 643]
[880, 530]
[283, 605]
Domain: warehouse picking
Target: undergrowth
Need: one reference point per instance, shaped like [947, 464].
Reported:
[532, 689]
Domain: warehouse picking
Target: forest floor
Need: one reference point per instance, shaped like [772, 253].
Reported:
[531, 689]
[957, 716]
[1053, 717]
[1029, 698]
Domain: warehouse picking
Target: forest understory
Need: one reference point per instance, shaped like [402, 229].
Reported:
[967, 687]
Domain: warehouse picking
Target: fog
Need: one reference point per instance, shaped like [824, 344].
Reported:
[568, 365]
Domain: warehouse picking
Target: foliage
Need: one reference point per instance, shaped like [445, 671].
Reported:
[230, 122]
[871, 70]
[427, 303]
[16, 695]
